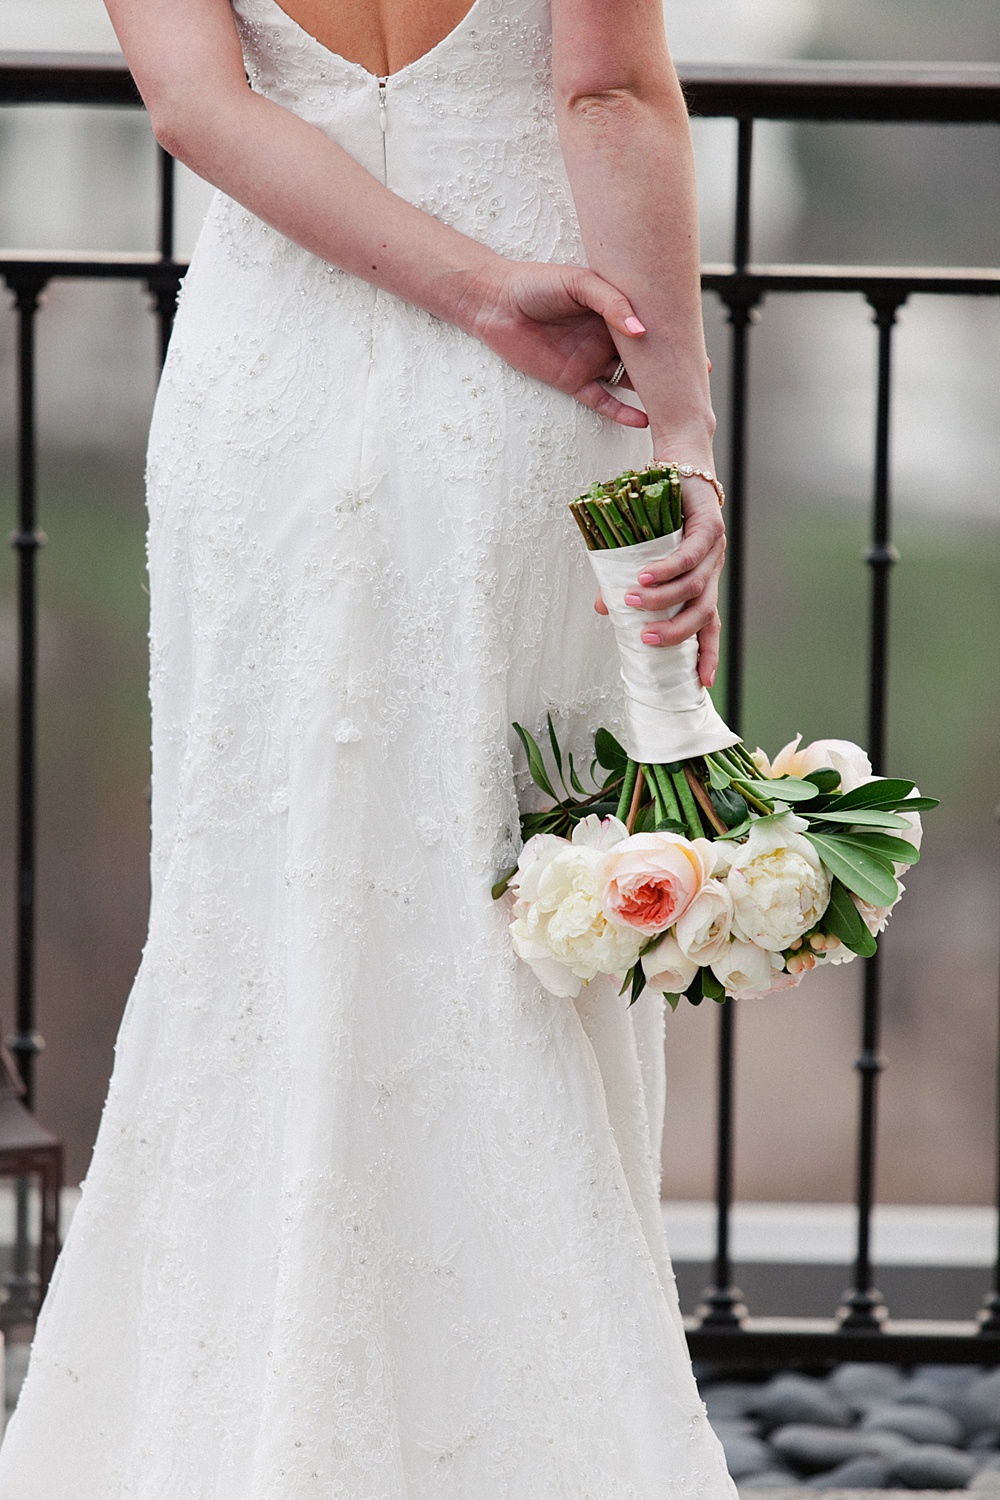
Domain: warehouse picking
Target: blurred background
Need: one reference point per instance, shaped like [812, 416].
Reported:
[852, 193]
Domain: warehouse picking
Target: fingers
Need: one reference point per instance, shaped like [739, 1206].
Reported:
[690, 585]
[689, 621]
[708, 649]
[599, 604]
[593, 291]
[600, 400]
[624, 383]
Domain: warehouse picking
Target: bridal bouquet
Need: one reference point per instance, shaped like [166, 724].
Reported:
[694, 866]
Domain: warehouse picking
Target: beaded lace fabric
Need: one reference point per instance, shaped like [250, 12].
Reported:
[370, 1216]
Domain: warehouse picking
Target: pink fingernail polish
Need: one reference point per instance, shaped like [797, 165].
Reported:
[646, 579]
[635, 600]
[711, 680]
[634, 326]
[650, 639]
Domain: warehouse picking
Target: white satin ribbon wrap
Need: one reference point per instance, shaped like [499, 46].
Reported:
[669, 715]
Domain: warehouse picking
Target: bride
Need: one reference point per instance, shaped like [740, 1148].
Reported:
[370, 1215]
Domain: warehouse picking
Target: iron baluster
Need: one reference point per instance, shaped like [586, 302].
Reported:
[863, 1306]
[722, 1303]
[26, 540]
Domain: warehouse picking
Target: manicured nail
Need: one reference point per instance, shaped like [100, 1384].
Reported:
[635, 600]
[711, 680]
[634, 326]
[650, 638]
[646, 579]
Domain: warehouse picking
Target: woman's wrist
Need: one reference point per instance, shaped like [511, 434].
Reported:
[474, 290]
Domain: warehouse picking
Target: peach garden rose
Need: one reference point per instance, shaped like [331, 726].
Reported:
[652, 878]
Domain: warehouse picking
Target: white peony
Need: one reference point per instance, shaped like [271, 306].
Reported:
[778, 883]
[702, 931]
[747, 972]
[559, 927]
[667, 968]
[847, 759]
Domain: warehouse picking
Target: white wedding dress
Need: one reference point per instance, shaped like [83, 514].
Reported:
[370, 1216]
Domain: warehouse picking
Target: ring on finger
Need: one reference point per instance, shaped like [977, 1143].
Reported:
[615, 379]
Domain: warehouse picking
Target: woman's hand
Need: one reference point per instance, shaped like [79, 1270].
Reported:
[554, 322]
[689, 577]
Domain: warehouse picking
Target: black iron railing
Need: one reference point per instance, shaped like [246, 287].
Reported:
[953, 95]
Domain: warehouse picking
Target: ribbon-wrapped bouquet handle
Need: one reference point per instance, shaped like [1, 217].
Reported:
[668, 712]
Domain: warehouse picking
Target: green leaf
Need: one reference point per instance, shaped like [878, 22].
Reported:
[638, 982]
[718, 778]
[900, 851]
[646, 820]
[845, 921]
[788, 788]
[672, 1000]
[860, 817]
[670, 825]
[536, 764]
[729, 805]
[866, 874]
[739, 830]
[694, 992]
[503, 883]
[711, 987]
[826, 780]
[876, 793]
[917, 804]
[556, 752]
[609, 753]
[574, 779]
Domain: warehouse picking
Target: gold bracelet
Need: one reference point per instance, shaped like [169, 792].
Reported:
[688, 471]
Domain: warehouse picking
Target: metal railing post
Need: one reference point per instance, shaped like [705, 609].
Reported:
[863, 1307]
[26, 540]
[722, 1302]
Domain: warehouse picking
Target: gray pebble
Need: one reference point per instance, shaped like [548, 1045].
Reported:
[745, 1455]
[863, 1386]
[932, 1468]
[978, 1405]
[729, 1399]
[734, 1427]
[865, 1473]
[796, 1398]
[813, 1449]
[922, 1424]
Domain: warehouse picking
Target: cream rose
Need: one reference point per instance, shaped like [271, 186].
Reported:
[667, 968]
[653, 878]
[747, 972]
[559, 927]
[848, 760]
[702, 931]
[778, 884]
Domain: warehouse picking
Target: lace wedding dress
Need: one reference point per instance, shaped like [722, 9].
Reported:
[370, 1216]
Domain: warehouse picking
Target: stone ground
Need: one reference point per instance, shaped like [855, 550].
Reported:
[862, 1428]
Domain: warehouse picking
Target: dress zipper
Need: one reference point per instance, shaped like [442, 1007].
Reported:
[383, 122]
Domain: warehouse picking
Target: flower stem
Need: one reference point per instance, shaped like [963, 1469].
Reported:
[688, 804]
[704, 801]
[628, 787]
[633, 811]
[670, 803]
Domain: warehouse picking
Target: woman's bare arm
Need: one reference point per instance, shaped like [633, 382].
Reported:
[627, 145]
[549, 321]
